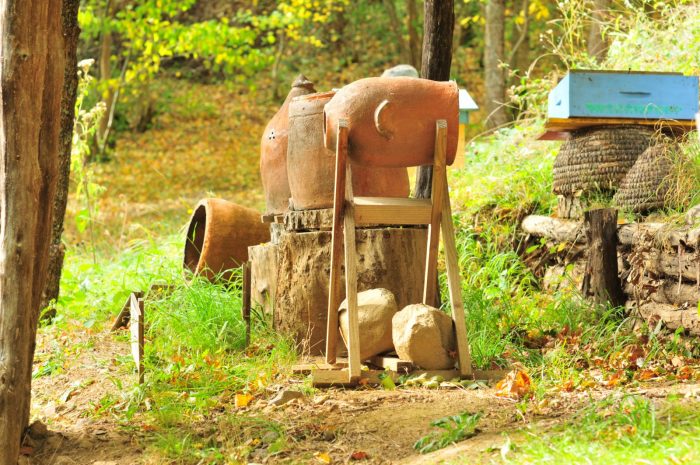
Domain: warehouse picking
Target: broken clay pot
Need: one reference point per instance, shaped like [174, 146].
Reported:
[392, 120]
[273, 151]
[219, 235]
[311, 166]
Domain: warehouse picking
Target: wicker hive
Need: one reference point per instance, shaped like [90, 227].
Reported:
[598, 158]
[644, 188]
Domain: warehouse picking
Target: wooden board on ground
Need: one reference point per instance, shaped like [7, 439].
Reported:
[123, 317]
[340, 378]
[392, 363]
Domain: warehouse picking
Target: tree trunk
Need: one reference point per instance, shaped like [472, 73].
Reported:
[70, 85]
[438, 25]
[601, 280]
[519, 57]
[494, 75]
[413, 36]
[31, 88]
[105, 74]
[597, 45]
[402, 49]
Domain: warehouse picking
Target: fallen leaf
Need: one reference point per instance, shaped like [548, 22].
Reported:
[645, 375]
[359, 455]
[515, 385]
[615, 379]
[685, 373]
[242, 400]
[323, 457]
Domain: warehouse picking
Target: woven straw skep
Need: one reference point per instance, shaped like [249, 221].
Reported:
[598, 158]
[646, 185]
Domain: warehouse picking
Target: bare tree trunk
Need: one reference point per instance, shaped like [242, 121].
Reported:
[519, 57]
[438, 25]
[31, 87]
[413, 36]
[494, 76]
[106, 73]
[597, 45]
[401, 45]
[70, 85]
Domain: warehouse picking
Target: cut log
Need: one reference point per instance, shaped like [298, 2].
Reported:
[673, 317]
[601, 280]
[391, 258]
[554, 228]
[685, 266]
[665, 292]
[263, 276]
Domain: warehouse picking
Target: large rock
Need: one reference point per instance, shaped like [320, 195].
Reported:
[375, 310]
[424, 335]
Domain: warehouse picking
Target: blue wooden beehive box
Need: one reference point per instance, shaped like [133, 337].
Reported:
[624, 94]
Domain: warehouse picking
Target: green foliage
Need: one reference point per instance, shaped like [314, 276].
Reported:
[454, 428]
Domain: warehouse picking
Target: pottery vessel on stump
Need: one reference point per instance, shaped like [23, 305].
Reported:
[311, 166]
[219, 235]
[273, 151]
[392, 120]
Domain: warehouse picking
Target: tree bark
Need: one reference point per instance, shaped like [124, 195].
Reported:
[494, 75]
[438, 25]
[32, 74]
[57, 250]
[597, 45]
[601, 280]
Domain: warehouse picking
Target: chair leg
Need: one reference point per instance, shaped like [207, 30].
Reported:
[455, 288]
[334, 286]
[355, 364]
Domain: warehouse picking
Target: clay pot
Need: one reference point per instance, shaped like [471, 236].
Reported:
[219, 235]
[273, 151]
[392, 120]
[311, 166]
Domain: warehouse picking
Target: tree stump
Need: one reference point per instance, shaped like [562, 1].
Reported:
[290, 279]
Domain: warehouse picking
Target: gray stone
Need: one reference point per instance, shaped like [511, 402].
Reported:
[692, 216]
[285, 396]
[424, 335]
[401, 70]
[375, 309]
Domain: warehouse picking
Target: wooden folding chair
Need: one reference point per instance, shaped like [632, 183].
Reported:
[350, 212]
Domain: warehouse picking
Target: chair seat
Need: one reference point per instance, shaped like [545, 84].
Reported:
[391, 210]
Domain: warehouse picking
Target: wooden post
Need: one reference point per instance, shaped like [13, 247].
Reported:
[601, 280]
[438, 26]
[136, 317]
[34, 35]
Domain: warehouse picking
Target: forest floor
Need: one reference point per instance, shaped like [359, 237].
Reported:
[205, 143]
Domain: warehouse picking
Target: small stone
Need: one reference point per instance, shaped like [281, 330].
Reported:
[424, 335]
[375, 309]
[270, 437]
[285, 396]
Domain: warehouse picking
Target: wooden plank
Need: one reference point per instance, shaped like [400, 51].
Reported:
[436, 195]
[334, 293]
[389, 210]
[136, 309]
[563, 124]
[246, 301]
[351, 280]
[123, 317]
[330, 378]
[454, 286]
[393, 364]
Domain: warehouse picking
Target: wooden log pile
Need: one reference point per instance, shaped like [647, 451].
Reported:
[659, 266]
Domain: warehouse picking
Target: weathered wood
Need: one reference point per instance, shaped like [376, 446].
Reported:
[601, 280]
[36, 36]
[685, 266]
[438, 192]
[136, 326]
[665, 292]
[334, 297]
[392, 363]
[438, 29]
[554, 228]
[569, 206]
[263, 276]
[390, 258]
[122, 319]
[309, 220]
[355, 363]
[672, 316]
[245, 308]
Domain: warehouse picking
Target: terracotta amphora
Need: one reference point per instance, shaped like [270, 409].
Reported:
[218, 237]
[273, 151]
[311, 166]
[392, 120]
